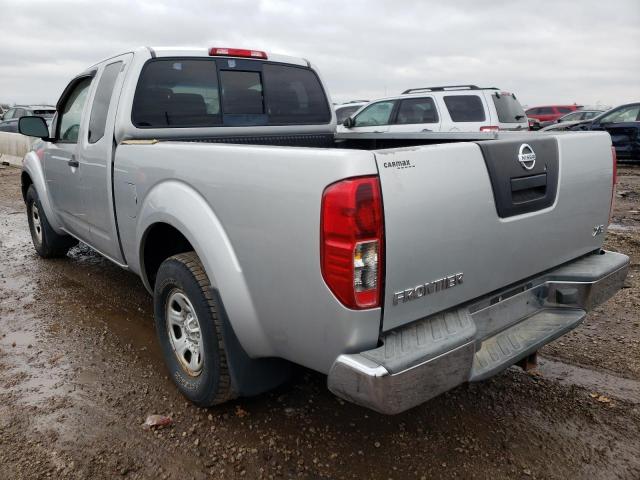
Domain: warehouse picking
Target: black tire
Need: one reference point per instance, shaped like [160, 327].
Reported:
[183, 274]
[46, 241]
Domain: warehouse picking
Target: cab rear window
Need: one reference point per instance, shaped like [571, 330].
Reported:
[177, 93]
[226, 92]
[241, 92]
[294, 95]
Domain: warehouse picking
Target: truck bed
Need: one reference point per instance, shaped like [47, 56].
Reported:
[363, 141]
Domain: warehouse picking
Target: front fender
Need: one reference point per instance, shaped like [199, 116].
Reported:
[179, 205]
[32, 165]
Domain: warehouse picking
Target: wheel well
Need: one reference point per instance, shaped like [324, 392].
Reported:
[161, 242]
[26, 182]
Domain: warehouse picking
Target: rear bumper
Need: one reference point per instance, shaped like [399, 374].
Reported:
[426, 358]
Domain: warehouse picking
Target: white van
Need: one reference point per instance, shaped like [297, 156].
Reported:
[455, 108]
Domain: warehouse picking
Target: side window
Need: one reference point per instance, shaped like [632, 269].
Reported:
[9, 114]
[71, 114]
[625, 114]
[564, 110]
[545, 111]
[101, 101]
[19, 113]
[465, 108]
[417, 110]
[374, 115]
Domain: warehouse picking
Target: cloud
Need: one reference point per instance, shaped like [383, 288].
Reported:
[550, 51]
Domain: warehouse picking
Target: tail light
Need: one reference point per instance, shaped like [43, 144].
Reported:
[236, 52]
[614, 181]
[352, 241]
[489, 128]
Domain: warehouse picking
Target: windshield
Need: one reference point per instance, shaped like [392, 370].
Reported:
[508, 108]
[630, 113]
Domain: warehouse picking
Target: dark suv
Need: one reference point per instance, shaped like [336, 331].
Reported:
[623, 124]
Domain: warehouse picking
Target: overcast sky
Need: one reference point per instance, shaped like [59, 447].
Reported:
[545, 51]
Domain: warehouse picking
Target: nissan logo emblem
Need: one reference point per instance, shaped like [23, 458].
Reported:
[526, 156]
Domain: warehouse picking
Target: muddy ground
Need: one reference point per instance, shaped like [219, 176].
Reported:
[80, 371]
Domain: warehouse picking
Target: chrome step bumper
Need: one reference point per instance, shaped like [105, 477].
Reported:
[430, 356]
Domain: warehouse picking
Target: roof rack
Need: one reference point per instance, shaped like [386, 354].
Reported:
[445, 88]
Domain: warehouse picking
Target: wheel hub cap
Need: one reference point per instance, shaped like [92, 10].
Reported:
[37, 225]
[184, 332]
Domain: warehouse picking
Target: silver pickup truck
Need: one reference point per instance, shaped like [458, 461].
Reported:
[400, 266]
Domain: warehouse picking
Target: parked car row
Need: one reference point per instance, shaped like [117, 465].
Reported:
[575, 116]
[622, 123]
[9, 118]
[540, 117]
[468, 108]
[550, 113]
[579, 115]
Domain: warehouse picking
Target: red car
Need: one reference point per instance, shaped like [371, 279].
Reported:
[549, 113]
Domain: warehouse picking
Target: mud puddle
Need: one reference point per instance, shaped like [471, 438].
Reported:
[598, 382]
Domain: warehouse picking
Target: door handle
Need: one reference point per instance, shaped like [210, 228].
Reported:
[73, 162]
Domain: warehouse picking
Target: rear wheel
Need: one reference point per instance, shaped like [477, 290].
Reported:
[46, 241]
[190, 331]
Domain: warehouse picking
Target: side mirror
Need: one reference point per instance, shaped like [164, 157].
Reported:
[34, 127]
[348, 122]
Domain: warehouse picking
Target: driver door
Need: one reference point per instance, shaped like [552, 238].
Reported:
[61, 165]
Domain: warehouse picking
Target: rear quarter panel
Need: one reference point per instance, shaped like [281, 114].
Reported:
[267, 202]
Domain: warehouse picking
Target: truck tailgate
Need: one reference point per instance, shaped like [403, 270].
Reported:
[465, 219]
